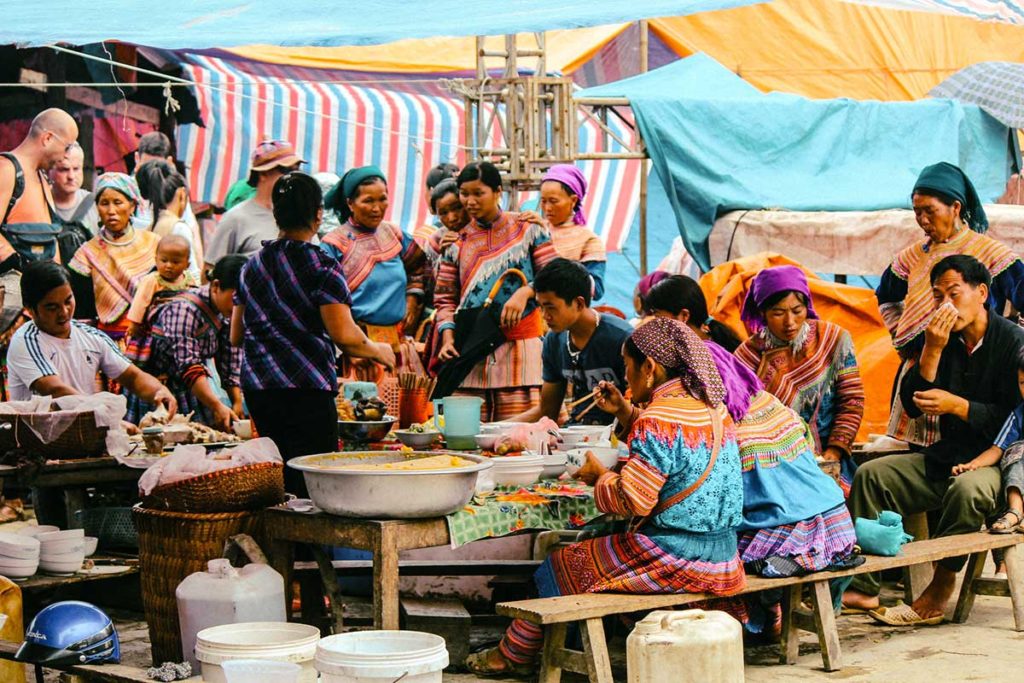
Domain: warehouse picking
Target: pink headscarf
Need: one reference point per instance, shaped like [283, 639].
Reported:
[573, 179]
[647, 282]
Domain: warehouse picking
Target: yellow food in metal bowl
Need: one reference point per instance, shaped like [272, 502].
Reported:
[434, 462]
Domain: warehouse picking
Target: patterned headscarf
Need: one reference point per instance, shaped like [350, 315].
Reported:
[125, 184]
[769, 282]
[676, 347]
[572, 178]
[740, 382]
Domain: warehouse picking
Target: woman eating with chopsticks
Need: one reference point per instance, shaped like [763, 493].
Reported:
[681, 485]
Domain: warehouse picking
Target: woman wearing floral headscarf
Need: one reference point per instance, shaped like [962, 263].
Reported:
[807, 363]
[681, 485]
[118, 256]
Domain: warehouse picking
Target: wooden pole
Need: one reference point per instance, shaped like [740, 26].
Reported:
[643, 163]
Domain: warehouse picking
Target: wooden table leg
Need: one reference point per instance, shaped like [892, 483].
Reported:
[385, 581]
[790, 645]
[1015, 579]
[331, 588]
[965, 602]
[554, 642]
[916, 577]
[825, 624]
[282, 559]
[595, 648]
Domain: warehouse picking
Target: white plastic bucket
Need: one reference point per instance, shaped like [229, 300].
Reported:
[260, 671]
[279, 642]
[381, 657]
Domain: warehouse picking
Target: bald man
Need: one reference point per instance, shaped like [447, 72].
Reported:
[48, 140]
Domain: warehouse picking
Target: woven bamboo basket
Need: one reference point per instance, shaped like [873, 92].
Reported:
[250, 487]
[82, 438]
[173, 545]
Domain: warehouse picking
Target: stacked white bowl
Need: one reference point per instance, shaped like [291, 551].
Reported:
[517, 470]
[62, 552]
[19, 556]
[554, 465]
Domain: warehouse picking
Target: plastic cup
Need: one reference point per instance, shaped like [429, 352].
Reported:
[260, 671]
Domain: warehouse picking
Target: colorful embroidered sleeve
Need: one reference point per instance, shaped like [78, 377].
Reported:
[748, 355]
[849, 410]
[633, 492]
[80, 262]
[891, 292]
[415, 262]
[543, 250]
[447, 289]
[593, 250]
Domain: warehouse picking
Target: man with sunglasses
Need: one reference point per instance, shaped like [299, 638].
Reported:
[50, 137]
[243, 229]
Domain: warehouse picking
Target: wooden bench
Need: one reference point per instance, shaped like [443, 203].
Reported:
[555, 614]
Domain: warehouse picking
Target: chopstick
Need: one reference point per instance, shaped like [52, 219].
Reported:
[586, 410]
[593, 394]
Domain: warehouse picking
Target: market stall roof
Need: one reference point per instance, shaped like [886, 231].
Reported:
[198, 24]
[717, 144]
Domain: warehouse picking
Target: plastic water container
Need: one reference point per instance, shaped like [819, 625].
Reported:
[461, 420]
[381, 657]
[260, 671]
[696, 646]
[225, 595]
[293, 643]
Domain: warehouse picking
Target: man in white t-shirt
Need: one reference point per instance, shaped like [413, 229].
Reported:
[54, 355]
[70, 201]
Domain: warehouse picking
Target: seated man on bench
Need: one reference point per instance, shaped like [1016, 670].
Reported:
[966, 377]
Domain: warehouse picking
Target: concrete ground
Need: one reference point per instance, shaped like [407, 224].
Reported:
[984, 649]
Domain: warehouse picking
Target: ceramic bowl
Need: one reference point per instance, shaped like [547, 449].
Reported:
[36, 529]
[243, 429]
[417, 439]
[91, 543]
[487, 441]
[554, 465]
[18, 546]
[63, 546]
[61, 565]
[18, 569]
[61, 535]
[607, 456]
[351, 431]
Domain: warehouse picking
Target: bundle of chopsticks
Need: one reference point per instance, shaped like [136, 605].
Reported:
[412, 381]
[595, 394]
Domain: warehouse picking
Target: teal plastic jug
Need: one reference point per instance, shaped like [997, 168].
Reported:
[461, 420]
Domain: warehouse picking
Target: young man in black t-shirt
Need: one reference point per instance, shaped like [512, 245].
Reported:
[583, 347]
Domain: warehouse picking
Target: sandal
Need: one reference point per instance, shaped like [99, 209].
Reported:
[478, 664]
[903, 615]
[1004, 525]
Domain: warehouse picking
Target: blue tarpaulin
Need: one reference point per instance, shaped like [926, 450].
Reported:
[718, 144]
[193, 24]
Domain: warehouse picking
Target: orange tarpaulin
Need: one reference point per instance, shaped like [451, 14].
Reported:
[853, 308]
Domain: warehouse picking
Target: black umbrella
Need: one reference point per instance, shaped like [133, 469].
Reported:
[477, 334]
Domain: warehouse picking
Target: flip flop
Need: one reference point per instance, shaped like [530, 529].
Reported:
[903, 615]
[476, 664]
[1003, 524]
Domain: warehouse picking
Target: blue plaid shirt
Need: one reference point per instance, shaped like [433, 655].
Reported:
[286, 345]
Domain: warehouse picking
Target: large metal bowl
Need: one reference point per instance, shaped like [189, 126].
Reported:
[387, 494]
[351, 431]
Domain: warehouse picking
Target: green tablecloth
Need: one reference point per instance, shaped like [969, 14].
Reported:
[549, 505]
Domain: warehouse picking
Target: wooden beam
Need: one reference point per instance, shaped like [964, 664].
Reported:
[133, 110]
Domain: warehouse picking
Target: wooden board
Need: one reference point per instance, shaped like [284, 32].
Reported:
[569, 608]
[434, 567]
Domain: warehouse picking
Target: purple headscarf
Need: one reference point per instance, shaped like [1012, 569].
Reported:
[648, 281]
[572, 178]
[772, 281]
[740, 381]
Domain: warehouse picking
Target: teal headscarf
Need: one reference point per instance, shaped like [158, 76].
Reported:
[949, 180]
[337, 197]
[125, 184]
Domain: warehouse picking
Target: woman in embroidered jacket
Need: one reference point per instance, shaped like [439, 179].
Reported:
[950, 213]
[494, 242]
[118, 256]
[384, 267]
[807, 363]
[682, 484]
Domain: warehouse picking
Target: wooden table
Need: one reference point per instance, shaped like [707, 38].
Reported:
[71, 478]
[284, 528]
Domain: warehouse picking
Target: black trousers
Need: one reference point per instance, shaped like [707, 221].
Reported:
[300, 422]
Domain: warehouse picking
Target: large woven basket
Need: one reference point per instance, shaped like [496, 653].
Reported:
[173, 545]
[82, 438]
[250, 487]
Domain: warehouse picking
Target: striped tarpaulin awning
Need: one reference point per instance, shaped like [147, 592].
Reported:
[1002, 11]
[337, 122]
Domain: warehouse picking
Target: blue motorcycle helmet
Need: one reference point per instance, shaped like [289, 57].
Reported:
[70, 632]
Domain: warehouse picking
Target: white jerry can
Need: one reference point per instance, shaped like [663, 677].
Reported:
[691, 646]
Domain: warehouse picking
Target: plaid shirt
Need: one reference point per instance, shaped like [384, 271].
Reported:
[286, 345]
[186, 338]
